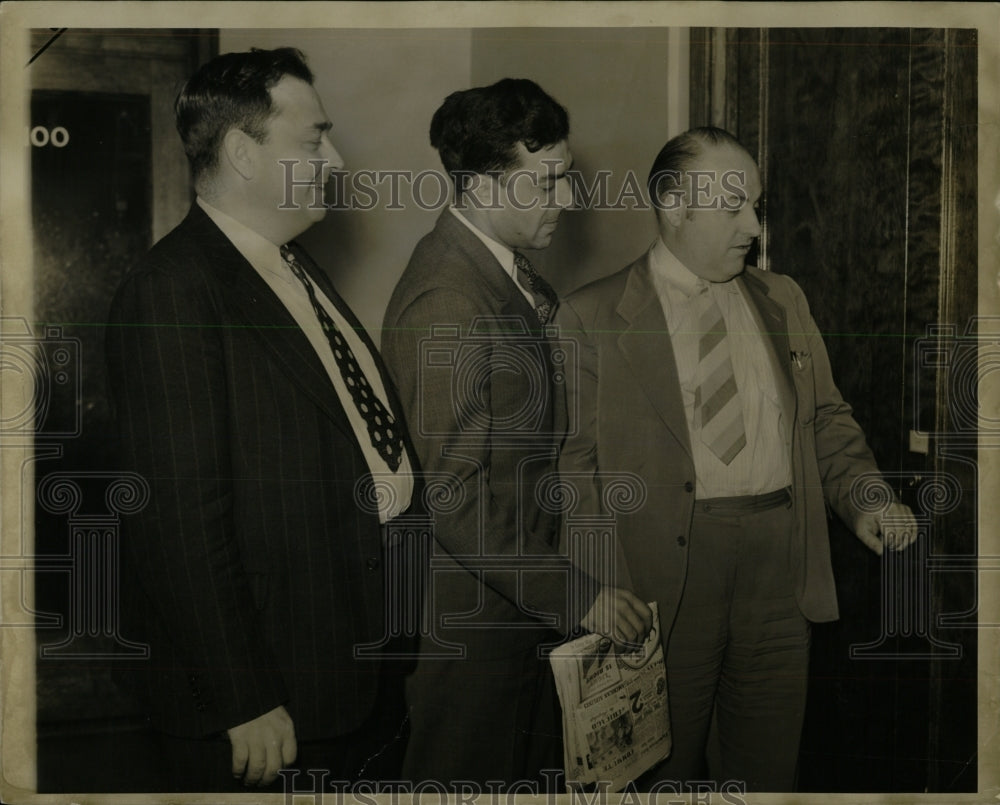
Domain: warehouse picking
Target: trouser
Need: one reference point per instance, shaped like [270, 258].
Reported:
[483, 718]
[739, 649]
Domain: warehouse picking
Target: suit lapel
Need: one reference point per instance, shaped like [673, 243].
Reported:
[645, 343]
[487, 272]
[254, 305]
[773, 323]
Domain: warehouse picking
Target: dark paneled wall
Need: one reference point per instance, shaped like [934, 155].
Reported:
[867, 144]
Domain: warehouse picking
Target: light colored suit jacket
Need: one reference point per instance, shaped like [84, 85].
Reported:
[632, 419]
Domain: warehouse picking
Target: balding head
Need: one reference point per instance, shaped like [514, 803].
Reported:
[705, 186]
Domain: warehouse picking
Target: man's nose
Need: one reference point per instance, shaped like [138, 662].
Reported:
[751, 223]
[334, 161]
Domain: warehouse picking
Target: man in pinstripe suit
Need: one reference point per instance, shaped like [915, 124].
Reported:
[252, 401]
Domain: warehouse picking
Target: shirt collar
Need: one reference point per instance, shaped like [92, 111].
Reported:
[258, 250]
[667, 268]
[504, 255]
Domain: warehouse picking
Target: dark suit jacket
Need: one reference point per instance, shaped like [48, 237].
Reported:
[252, 572]
[632, 419]
[486, 418]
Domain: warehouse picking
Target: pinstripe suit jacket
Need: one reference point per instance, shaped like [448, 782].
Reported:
[252, 572]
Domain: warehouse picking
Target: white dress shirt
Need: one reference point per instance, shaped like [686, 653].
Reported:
[764, 464]
[394, 488]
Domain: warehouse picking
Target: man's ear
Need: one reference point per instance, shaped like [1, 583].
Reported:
[673, 207]
[484, 187]
[239, 152]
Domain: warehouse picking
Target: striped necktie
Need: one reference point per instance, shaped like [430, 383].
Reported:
[382, 430]
[545, 297]
[718, 411]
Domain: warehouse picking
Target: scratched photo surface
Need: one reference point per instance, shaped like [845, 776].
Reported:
[876, 143]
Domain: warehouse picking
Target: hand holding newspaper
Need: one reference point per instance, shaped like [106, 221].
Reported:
[616, 724]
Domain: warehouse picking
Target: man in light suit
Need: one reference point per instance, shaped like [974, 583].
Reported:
[487, 413]
[241, 382]
[710, 380]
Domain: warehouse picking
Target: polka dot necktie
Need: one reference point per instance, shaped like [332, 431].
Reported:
[385, 436]
[545, 298]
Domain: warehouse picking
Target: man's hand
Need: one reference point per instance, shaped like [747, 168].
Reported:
[263, 746]
[620, 615]
[903, 528]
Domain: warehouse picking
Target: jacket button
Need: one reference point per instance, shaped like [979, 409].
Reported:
[373, 563]
[682, 541]
[688, 486]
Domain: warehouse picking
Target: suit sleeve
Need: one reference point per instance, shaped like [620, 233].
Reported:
[578, 465]
[842, 452]
[167, 373]
[446, 423]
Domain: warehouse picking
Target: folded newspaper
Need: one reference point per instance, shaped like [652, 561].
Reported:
[616, 724]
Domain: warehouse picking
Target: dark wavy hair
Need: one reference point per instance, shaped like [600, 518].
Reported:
[676, 157]
[477, 130]
[231, 91]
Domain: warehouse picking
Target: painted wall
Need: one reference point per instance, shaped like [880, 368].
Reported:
[626, 91]
[380, 88]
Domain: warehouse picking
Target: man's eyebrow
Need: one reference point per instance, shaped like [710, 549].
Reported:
[736, 192]
[743, 198]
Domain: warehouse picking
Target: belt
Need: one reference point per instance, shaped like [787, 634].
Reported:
[745, 504]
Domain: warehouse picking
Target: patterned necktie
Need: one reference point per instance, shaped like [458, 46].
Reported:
[545, 298]
[718, 412]
[382, 430]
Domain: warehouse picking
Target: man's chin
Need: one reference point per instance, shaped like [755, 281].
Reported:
[314, 209]
[723, 273]
[736, 267]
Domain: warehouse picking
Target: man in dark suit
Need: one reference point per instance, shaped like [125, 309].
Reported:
[255, 405]
[710, 381]
[487, 412]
